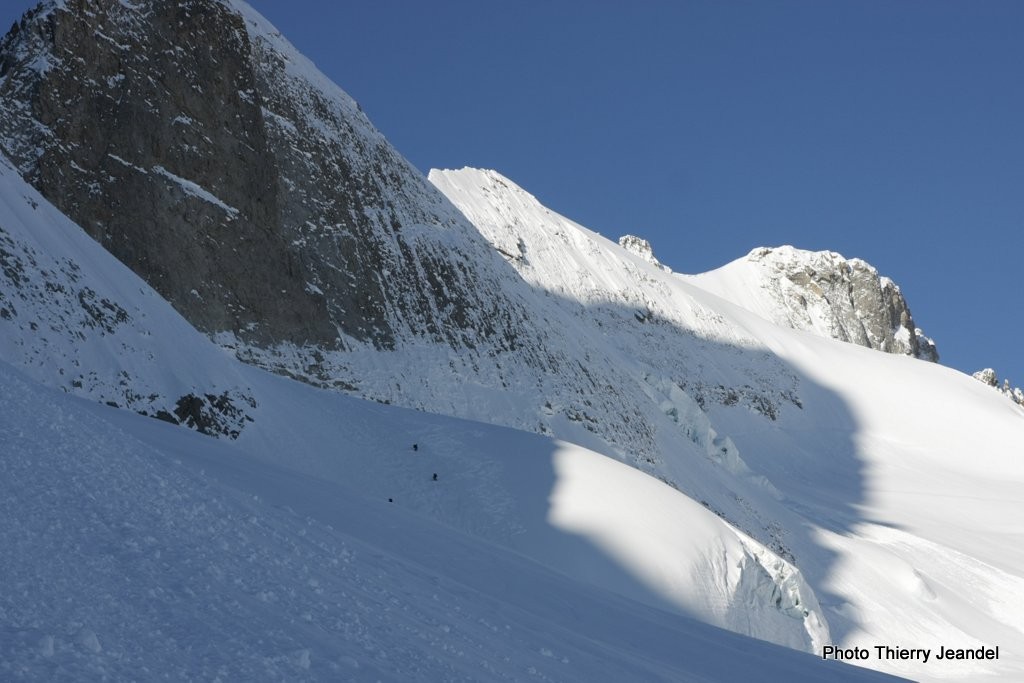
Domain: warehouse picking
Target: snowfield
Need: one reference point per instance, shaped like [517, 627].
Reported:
[137, 550]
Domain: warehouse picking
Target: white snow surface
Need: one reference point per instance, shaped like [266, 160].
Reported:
[136, 550]
[194, 190]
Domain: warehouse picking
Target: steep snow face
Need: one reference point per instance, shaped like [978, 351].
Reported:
[74, 318]
[636, 304]
[823, 293]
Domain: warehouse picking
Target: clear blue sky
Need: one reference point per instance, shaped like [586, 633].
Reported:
[888, 130]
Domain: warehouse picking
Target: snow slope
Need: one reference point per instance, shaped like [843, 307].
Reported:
[900, 482]
[916, 495]
[135, 549]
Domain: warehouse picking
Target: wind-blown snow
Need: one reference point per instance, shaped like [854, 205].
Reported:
[191, 188]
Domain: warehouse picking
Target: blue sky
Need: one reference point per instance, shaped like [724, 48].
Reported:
[888, 130]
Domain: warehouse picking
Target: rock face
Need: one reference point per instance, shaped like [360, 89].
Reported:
[200, 149]
[825, 293]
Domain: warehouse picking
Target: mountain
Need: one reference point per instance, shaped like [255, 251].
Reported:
[443, 324]
[781, 483]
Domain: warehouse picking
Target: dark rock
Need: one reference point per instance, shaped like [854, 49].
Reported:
[255, 199]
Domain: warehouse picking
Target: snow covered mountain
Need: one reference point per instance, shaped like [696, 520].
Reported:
[442, 322]
[805, 483]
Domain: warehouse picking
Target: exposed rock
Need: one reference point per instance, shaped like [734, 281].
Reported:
[208, 156]
[640, 247]
[988, 376]
[212, 414]
[825, 293]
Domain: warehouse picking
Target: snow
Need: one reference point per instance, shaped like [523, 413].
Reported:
[191, 188]
[127, 163]
[135, 549]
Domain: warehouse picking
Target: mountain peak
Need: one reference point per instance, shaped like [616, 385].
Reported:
[825, 293]
[640, 247]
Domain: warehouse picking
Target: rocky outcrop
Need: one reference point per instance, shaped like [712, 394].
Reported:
[206, 154]
[856, 303]
[988, 376]
[640, 247]
[825, 293]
